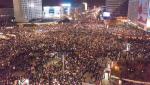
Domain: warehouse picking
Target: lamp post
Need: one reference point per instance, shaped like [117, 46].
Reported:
[63, 67]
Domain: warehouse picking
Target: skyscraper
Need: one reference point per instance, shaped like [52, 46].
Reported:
[133, 10]
[117, 7]
[26, 10]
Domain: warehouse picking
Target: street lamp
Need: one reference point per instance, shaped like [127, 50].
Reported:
[63, 67]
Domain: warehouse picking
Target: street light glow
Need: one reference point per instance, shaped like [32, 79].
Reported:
[116, 67]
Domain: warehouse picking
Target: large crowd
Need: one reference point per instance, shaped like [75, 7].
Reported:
[6, 21]
[69, 53]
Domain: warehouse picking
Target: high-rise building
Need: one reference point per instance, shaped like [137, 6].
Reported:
[133, 10]
[26, 10]
[139, 13]
[117, 7]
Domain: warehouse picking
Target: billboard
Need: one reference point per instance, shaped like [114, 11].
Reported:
[143, 6]
[66, 8]
[106, 14]
[52, 12]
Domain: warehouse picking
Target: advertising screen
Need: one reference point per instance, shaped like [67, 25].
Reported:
[106, 14]
[52, 12]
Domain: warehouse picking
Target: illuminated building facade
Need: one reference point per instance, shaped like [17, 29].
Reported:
[52, 12]
[117, 7]
[57, 12]
[132, 10]
[139, 13]
[26, 10]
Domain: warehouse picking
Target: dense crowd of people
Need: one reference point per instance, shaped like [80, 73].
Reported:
[69, 53]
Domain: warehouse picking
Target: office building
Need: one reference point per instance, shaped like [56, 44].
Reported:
[117, 7]
[133, 10]
[27, 10]
[139, 13]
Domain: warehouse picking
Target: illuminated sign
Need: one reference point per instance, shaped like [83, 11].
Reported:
[66, 8]
[106, 14]
[52, 12]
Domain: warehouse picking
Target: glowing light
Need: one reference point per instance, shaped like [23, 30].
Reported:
[148, 23]
[116, 67]
[66, 4]
[85, 6]
[106, 76]
[106, 14]
[31, 5]
[52, 11]
[120, 82]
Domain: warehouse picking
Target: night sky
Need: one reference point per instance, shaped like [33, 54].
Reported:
[9, 3]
